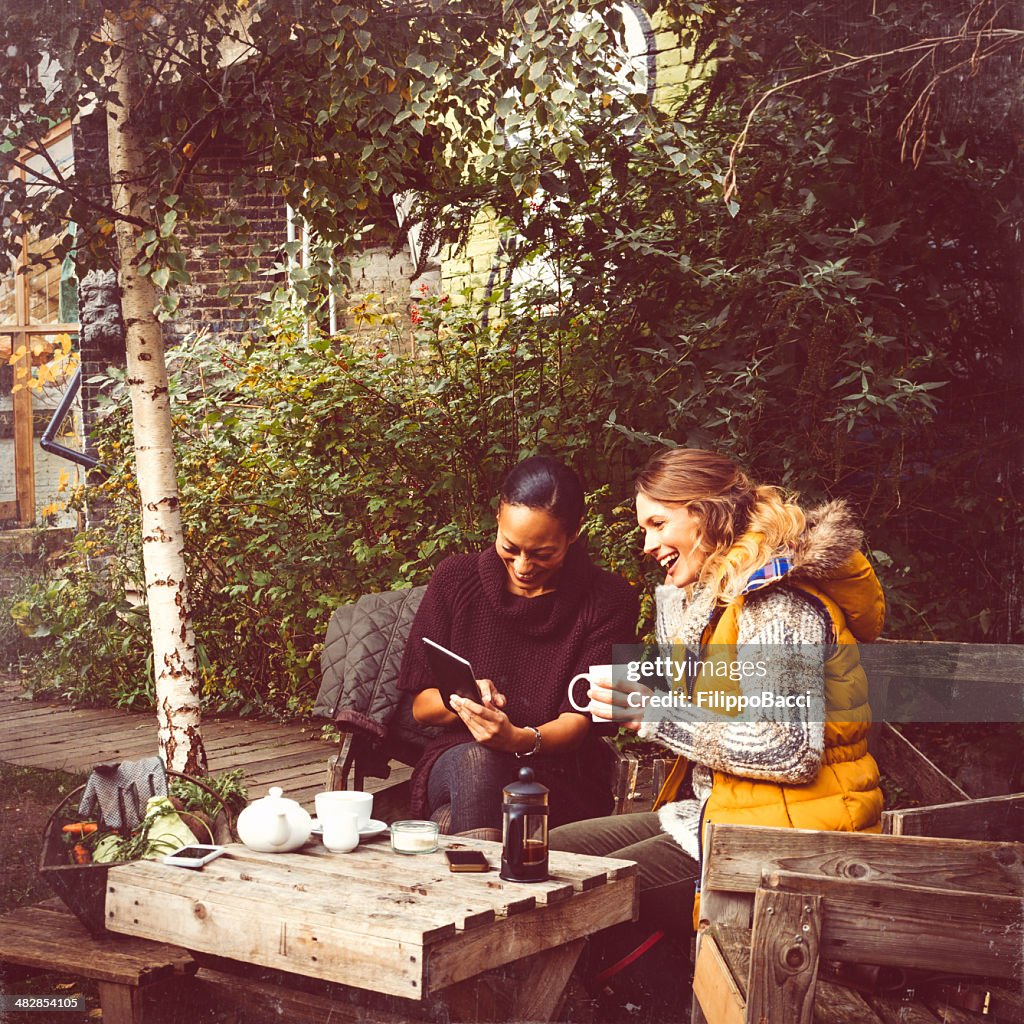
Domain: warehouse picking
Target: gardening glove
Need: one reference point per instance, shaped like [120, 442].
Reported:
[121, 790]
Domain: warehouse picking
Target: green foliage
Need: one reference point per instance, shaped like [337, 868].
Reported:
[90, 643]
[228, 788]
[848, 325]
[851, 326]
[337, 108]
[313, 470]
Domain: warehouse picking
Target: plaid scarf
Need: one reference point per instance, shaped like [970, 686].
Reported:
[769, 573]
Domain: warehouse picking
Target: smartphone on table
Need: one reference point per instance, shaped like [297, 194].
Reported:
[466, 860]
[452, 674]
[194, 856]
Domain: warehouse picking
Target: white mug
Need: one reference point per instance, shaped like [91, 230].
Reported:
[595, 674]
[332, 801]
[341, 831]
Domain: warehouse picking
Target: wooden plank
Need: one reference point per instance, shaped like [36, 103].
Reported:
[784, 946]
[261, 762]
[914, 926]
[259, 739]
[29, 712]
[290, 776]
[249, 750]
[582, 870]
[956, 662]
[530, 989]
[422, 901]
[219, 734]
[24, 450]
[120, 1004]
[303, 795]
[995, 818]
[512, 938]
[48, 937]
[76, 739]
[834, 1004]
[293, 935]
[226, 728]
[544, 979]
[430, 876]
[911, 770]
[272, 766]
[90, 736]
[100, 737]
[429, 873]
[735, 909]
[39, 730]
[736, 855]
[714, 986]
[263, 1000]
[331, 899]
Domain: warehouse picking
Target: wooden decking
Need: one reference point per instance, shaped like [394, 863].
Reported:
[49, 734]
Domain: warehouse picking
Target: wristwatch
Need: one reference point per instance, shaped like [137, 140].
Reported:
[536, 743]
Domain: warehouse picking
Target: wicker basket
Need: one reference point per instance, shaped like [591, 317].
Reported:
[83, 887]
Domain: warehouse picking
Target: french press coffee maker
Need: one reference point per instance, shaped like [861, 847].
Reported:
[524, 854]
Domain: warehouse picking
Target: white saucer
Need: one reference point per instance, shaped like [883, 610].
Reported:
[372, 828]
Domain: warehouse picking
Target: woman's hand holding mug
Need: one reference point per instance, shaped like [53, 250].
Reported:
[609, 698]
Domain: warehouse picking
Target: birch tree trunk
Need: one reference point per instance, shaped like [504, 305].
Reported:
[163, 544]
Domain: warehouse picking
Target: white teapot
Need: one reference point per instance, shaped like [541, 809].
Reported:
[274, 824]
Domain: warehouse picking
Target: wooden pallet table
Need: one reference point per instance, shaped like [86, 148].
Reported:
[374, 921]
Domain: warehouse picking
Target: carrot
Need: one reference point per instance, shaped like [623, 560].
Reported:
[81, 854]
[81, 828]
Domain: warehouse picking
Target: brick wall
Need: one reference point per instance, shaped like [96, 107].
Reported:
[201, 307]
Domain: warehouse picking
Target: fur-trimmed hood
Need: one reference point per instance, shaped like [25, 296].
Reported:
[832, 535]
[828, 558]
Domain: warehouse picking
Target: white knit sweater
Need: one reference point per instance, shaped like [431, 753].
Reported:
[785, 747]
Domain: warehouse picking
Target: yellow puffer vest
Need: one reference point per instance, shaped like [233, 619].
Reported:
[845, 796]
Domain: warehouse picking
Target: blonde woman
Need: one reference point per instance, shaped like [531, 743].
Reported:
[753, 579]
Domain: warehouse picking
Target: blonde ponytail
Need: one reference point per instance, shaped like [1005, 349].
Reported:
[774, 525]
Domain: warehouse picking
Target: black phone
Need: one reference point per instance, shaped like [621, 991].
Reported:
[466, 860]
[452, 674]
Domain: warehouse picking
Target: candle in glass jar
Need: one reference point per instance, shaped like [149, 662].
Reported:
[414, 836]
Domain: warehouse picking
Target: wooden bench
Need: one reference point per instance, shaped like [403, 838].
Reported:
[993, 818]
[48, 938]
[776, 904]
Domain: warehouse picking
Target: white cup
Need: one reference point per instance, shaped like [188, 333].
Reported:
[331, 802]
[601, 674]
[341, 830]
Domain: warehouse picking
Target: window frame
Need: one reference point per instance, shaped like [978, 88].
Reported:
[21, 331]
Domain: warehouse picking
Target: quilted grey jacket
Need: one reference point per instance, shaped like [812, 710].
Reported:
[360, 661]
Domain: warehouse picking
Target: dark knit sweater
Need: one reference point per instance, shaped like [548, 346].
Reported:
[530, 647]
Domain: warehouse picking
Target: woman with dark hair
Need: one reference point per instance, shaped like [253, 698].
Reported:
[528, 613]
